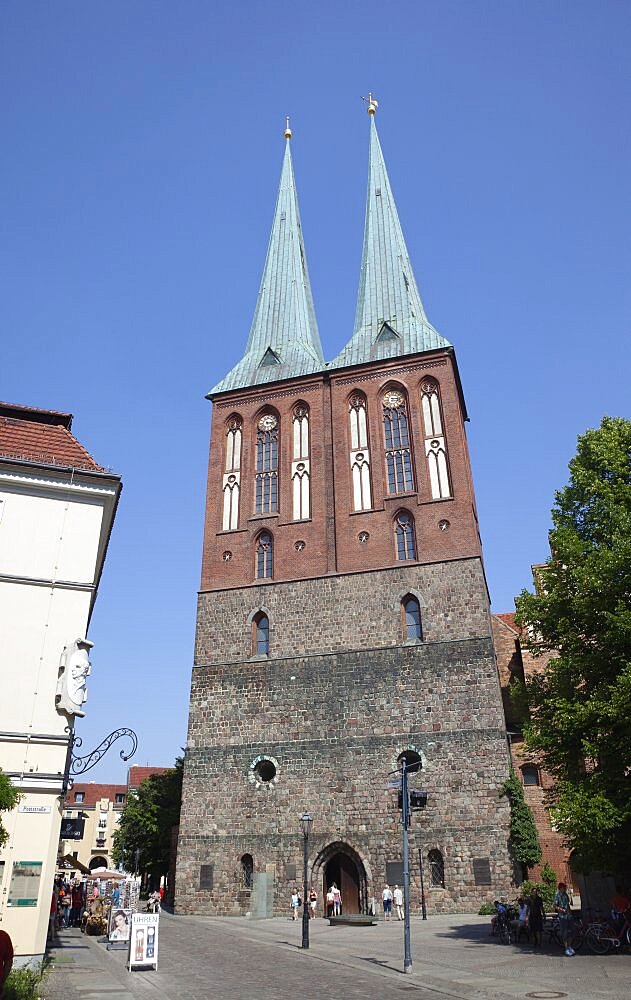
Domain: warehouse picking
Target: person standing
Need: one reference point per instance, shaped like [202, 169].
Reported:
[329, 902]
[337, 900]
[397, 896]
[536, 916]
[386, 896]
[313, 902]
[562, 908]
[6, 959]
[295, 903]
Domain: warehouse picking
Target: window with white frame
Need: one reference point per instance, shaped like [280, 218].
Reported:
[232, 473]
[300, 464]
[435, 445]
[360, 454]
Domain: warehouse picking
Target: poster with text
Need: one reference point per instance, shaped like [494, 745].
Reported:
[143, 943]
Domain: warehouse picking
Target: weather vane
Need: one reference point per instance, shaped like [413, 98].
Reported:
[287, 128]
[372, 103]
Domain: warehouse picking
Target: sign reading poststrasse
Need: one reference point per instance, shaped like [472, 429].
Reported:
[143, 941]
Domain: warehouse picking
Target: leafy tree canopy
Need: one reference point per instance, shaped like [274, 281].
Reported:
[9, 798]
[580, 702]
[142, 841]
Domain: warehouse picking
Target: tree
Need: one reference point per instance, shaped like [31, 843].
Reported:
[523, 839]
[9, 798]
[142, 841]
[580, 701]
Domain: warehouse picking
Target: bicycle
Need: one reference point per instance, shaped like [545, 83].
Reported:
[601, 938]
[578, 932]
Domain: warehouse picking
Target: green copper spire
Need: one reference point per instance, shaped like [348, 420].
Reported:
[284, 339]
[390, 319]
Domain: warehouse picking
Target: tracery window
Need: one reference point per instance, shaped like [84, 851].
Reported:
[435, 445]
[436, 869]
[232, 474]
[411, 618]
[404, 534]
[264, 556]
[267, 465]
[397, 441]
[247, 871]
[260, 634]
[360, 454]
[300, 466]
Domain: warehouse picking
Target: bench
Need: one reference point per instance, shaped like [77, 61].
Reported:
[353, 920]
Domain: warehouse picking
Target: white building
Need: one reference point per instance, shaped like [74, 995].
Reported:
[57, 507]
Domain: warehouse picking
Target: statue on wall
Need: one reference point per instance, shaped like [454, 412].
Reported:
[74, 669]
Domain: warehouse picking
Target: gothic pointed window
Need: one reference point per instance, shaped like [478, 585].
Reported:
[260, 634]
[435, 444]
[247, 871]
[300, 465]
[404, 534]
[232, 474]
[411, 618]
[264, 556]
[436, 869]
[266, 497]
[360, 454]
[397, 442]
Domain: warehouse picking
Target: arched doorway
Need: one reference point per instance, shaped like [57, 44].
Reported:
[339, 863]
[97, 862]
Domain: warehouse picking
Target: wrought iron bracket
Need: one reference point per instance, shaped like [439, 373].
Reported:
[79, 765]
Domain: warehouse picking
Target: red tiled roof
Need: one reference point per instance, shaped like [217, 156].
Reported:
[34, 435]
[136, 775]
[92, 792]
[508, 617]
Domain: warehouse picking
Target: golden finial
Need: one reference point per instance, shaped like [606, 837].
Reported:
[372, 103]
[287, 128]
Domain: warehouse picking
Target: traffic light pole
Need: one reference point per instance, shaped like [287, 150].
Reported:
[405, 821]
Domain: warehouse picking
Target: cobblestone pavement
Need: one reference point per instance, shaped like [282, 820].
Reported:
[454, 959]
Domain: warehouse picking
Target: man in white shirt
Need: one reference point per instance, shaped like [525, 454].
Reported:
[398, 901]
[386, 895]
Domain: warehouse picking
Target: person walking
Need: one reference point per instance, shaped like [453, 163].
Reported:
[386, 896]
[329, 902]
[536, 916]
[295, 903]
[313, 902]
[397, 896]
[562, 908]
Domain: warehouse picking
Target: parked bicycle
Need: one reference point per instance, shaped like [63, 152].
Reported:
[602, 937]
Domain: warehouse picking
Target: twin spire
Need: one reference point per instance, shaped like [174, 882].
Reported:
[390, 320]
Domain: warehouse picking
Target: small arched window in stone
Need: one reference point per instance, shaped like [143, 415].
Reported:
[260, 634]
[247, 871]
[397, 442]
[264, 556]
[404, 534]
[435, 444]
[530, 775]
[359, 453]
[411, 618]
[412, 759]
[436, 869]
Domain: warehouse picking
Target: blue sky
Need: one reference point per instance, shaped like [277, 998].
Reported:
[142, 152]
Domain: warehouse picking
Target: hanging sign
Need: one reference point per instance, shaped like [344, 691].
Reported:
[143, 942]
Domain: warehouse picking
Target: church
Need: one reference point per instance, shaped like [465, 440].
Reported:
[343, 621]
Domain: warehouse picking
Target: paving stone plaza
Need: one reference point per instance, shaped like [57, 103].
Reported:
[454, 959]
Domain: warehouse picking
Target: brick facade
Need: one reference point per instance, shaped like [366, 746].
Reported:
[320, 722]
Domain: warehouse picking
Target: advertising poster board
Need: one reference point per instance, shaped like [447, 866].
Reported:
[119, 929]
[143, 943]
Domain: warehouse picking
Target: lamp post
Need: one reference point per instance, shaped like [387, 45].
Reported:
[306, 821]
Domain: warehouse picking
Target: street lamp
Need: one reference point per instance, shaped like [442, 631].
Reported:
[306, 822]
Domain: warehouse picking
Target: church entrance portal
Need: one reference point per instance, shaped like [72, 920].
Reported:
[339, 863]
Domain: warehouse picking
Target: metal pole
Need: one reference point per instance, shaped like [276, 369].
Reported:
[305, 899]
[423, 906]
[405, 819]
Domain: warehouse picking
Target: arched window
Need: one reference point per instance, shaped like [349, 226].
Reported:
[260, 634]
[404, 533]
[267, 465]
[359, 454]
[300, 465]
[435, 445]
[436, 869]
[413, 760]
[247, 871]
[411, 618]
[397, 441]
[264, 556]
[232, 474]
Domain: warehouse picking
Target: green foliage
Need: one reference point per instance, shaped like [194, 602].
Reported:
[519, 702]
[24, 983]
[523, 841]
[144, 831]
[9, 798]
[580, 702]
[545, 887]
[486, 910]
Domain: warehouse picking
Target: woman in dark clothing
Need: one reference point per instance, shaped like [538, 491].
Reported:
[536, 917]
